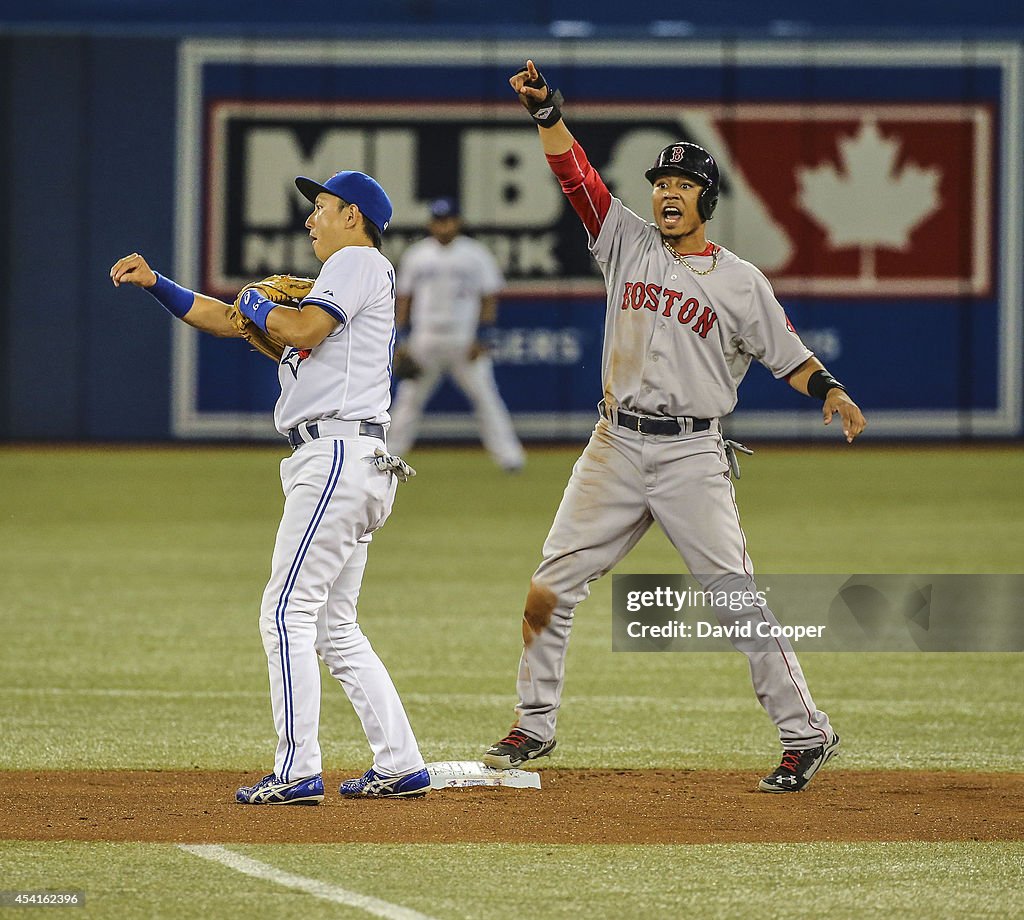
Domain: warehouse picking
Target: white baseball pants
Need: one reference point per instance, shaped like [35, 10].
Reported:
[476, 381]
[334, 500]
[623, 483]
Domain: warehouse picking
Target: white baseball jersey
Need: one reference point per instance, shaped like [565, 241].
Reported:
[446, 284]
[678, 343]
[348, 375]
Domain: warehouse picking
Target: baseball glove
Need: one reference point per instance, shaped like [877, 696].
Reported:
[404, 365]
[286, 290]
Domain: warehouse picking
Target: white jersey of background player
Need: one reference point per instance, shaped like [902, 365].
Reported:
[684, 319]
[339, 485]
[448, 288]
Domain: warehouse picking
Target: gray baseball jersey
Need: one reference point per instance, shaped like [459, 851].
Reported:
[678, 343]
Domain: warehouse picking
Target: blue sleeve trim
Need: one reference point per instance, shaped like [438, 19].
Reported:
[331, 308]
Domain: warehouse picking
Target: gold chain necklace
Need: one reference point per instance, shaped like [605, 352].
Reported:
[680, 259]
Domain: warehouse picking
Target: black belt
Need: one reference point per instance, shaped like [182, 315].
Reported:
[366, 429]
[646, 424]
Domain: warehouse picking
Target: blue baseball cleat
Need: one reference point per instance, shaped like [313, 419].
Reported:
[272, 791]
[380, 786]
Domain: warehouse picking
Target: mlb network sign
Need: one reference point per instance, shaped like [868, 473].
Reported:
[843, 199]
[877, 186]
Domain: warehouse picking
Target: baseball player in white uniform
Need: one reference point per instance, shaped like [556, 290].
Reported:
[339, 485]
[684, 319]
[448, 286]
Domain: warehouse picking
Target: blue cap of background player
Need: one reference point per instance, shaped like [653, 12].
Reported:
[440, 208]
[356, 188]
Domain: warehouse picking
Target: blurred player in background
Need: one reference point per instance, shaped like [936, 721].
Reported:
[448, 288]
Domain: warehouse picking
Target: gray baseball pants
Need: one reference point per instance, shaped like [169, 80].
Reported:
[622, 483]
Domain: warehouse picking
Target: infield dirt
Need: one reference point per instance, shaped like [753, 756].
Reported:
[578, 807]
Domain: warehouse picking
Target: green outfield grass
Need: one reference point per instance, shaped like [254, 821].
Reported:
[133, 578]
[128, 639]
[760, 882]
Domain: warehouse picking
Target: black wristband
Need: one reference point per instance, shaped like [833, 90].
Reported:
[548, 112]
[820, 382]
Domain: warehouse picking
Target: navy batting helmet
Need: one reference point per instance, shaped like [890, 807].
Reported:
[691, 160]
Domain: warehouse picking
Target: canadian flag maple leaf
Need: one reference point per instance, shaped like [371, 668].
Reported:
[869, 204]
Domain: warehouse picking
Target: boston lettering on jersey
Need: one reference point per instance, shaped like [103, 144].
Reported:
[637, 295]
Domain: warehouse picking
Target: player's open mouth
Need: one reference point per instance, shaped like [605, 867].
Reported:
[671, 215]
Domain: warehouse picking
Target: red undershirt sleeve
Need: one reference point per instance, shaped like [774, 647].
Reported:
[583, 186]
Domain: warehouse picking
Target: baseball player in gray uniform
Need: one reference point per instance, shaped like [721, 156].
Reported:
[339, 485]
[685, 317]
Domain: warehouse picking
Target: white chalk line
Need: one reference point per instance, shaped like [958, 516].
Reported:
[487, 699]
[674, 702]
[310, 886]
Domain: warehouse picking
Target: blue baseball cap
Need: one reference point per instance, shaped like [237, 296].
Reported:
[440, 208]
[356, 188]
